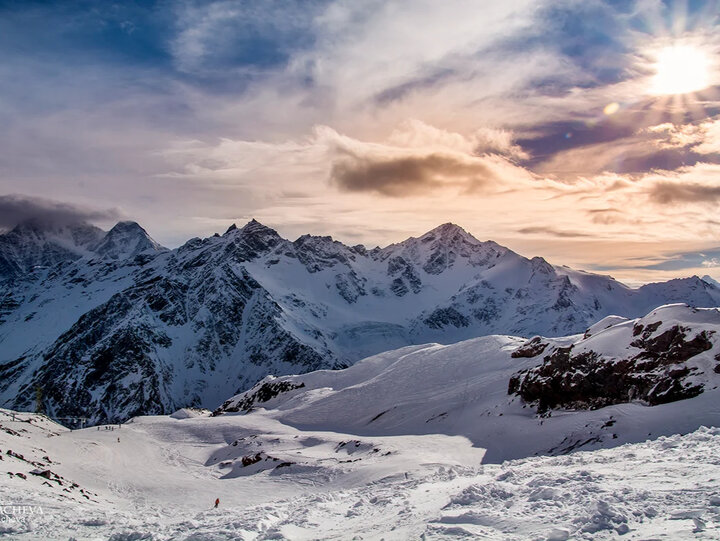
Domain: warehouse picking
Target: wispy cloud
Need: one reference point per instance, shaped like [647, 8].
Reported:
[552, 232]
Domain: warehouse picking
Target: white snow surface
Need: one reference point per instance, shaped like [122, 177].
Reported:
[418, 443]
[160, 480]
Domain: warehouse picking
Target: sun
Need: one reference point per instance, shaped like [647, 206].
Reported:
[680, 69]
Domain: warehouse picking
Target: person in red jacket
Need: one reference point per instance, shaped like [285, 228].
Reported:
[217, 502]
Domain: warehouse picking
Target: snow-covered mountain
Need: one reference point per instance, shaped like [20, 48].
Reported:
[117, 326]
[35, 244]
[126, 240]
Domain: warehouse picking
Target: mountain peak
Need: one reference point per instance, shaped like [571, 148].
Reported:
[446, 231]
[254, 227]
[448, 234]
[449, 227]
[253, 239]
[126, 239]
[127, 225]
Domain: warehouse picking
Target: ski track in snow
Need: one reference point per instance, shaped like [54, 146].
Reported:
[160, 480]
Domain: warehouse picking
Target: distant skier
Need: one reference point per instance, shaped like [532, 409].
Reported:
[217, 502]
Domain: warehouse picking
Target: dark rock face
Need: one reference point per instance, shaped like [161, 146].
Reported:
[33, 244]
[318, 253]
[350, 286]
[398, 287]
[531, 348]
[264, 392]
[445, 317]
[656, 375]
[405, 276]
[670, 347]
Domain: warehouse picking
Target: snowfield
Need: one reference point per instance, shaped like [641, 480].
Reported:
[160, 480]
[424, 442]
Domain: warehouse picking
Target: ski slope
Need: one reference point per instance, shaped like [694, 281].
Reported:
[160, 481]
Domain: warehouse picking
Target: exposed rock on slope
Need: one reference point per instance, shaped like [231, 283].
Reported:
[658, 363]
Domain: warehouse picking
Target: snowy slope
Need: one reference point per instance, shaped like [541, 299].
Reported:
[427, 441]
[473, 388]
[125, 327]
[159, 481]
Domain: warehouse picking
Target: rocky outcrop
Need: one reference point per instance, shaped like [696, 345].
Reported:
[532, 348]
[655, 370]
[262, 393]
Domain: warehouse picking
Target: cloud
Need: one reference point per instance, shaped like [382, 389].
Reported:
[16, 209]
[628, 141]
[406, 175]
[688, 260]
[624, 156]
[230, 37]
[676, 136]
[669, 192]
[606, 216]
[710, 141]
[417, 160]
[414, 133]
[700, 138]
[551, 231]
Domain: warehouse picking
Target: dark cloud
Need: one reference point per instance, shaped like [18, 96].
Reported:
[409, 174]
[667, 193]
[688, 260]
[620, 143]
[15, 209]
[552, 232]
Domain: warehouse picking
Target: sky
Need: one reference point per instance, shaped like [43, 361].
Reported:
[583, 131]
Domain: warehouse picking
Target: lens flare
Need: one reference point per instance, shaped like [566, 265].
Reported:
[611, 108]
